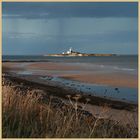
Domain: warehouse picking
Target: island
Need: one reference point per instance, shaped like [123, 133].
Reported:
[70, 52]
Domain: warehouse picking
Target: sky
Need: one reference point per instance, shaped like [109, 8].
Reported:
[37, 28]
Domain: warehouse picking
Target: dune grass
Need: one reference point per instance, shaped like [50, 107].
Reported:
[25, 115]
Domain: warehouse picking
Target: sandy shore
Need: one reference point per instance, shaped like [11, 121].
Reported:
[115, 111]
[94, 75]
[120, 80]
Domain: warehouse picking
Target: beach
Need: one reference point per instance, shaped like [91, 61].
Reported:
[102, 91]
[114, 110]
[108, 86]
[105, 81]
[96, 75]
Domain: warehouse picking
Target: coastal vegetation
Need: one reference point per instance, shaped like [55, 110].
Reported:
[31, 113]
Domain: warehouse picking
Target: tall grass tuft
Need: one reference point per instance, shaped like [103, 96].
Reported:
[25, 116]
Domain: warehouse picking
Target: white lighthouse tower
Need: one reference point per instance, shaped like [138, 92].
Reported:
[69, 51]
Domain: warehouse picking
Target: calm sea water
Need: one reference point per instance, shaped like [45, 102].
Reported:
[126, 62]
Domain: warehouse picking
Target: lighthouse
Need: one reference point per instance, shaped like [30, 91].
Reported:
[69, 51]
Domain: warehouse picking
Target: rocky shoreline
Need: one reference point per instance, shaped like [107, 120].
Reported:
[63, 92]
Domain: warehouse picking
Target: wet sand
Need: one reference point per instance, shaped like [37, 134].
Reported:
[115, 79]
[83, 73]
[39, 71]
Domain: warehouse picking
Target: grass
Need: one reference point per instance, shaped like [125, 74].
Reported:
[26, 115]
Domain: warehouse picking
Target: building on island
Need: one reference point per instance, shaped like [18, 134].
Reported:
[70, 52]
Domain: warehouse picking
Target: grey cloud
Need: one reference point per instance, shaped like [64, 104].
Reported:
[118, 36]
[31, 10]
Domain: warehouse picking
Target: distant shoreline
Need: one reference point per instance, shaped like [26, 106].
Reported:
[79, 55]
[48, 54]
[19, 58]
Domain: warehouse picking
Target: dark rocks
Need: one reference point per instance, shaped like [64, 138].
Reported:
[117, 89]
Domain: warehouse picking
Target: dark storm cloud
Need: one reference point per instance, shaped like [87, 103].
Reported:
[46, 10]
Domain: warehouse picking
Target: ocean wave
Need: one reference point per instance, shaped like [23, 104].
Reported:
[124, 69]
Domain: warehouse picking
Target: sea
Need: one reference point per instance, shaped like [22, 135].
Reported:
[124, 62]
